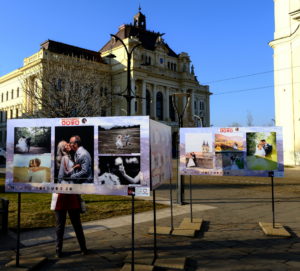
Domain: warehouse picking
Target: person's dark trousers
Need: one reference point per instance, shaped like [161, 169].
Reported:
[74, 215]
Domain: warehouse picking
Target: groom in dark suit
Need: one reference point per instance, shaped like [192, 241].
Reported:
[267, 147]
[82, 174]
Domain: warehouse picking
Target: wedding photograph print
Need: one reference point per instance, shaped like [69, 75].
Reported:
[261, 151]
[74, 155]
[119, 140]
[32, 168]
[119, 170]
[32, 140]
[229, 142]
[198, 150]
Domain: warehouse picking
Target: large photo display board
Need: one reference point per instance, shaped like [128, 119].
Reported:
[99, 155]
[239, 151]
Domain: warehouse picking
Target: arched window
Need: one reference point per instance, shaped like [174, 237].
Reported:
[148, 101]
[18, 92]
[12, 94]
[159, 106]
[6, 95]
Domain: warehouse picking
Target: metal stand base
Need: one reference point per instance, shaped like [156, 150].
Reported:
[188, 228]
[160, 230]
[196, 224]
[184, 232]
[166, 262]
[139, 267]
[278, 230]
[26, 263]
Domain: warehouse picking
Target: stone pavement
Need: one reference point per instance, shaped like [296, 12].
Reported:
[230, 238]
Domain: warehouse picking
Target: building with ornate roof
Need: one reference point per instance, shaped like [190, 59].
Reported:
[156, 72]
[286, 45]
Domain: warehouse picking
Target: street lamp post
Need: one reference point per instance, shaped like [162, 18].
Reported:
[128, 96]
[200, 120]
[180, 115]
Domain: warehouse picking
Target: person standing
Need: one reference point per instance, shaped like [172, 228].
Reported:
[66, 203]
[71, 204]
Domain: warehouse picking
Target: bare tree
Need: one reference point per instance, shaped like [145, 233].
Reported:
[249, 119]
[65, 86]
[235, 124]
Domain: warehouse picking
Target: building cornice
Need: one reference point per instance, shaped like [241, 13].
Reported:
[10, 75]
[285, 38]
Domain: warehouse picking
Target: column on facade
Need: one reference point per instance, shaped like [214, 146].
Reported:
[133, 92]
[166, 104]
[183, 104]
[192, 107]
[153, 104]
[144, 100]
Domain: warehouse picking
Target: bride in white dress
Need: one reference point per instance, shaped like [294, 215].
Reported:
[119, 142]
[260, 151]
[64, 162]
[191, 162]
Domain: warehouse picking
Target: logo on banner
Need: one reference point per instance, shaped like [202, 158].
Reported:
[68, 122]
[229, 130]
[142, 191]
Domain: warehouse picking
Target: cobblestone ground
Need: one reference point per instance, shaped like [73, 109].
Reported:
[230, 238]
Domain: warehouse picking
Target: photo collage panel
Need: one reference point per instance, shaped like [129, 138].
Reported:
[234, 151]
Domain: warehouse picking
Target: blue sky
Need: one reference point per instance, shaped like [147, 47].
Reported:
[225, 40]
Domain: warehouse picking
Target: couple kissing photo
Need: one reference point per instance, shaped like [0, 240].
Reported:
[261, 151]
[74, 155]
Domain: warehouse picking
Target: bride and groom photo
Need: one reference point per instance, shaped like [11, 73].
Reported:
[261, 151]
[119, 139]
[74, 155]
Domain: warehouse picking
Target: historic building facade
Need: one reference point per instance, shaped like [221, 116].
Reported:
[156, 72]
[286, 45]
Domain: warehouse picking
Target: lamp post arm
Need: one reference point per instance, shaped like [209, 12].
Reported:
[184, 109]
[120, 40]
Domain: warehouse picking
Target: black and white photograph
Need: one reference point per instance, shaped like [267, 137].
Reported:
[32, 140]
[119, 170]
[74, 154]
[119, 139]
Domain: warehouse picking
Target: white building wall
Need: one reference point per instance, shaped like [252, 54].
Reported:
[286, 45]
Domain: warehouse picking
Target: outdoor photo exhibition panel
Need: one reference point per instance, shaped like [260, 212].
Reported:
[239, 151]
[97, 155]
[161, 153]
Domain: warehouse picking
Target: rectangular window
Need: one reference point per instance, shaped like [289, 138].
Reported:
[11, 113]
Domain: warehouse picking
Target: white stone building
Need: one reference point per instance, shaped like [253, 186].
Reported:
[286, 45]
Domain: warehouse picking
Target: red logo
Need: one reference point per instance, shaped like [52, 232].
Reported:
[68, 122]
[226, 130]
